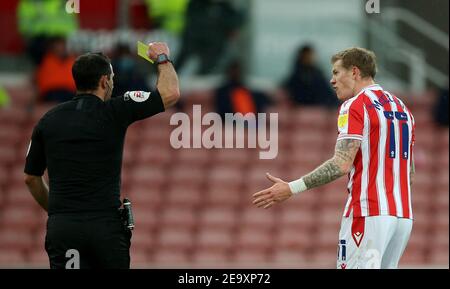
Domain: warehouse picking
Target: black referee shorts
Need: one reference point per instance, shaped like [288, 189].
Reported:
[100, 239]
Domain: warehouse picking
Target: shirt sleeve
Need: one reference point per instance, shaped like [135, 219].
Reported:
[351, 120]
[136, 105]
[36, 163]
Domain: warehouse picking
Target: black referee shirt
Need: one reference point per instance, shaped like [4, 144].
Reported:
[81, 143]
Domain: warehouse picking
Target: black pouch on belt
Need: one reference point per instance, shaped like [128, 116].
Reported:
[126, 214]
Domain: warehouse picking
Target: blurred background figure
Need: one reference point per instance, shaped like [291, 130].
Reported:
[54, 73]
[234, 96]
[4, 97]
[39, 21]
[168, 14]
[440, 109]
[307, 85]
[127, 74]
[210, 27]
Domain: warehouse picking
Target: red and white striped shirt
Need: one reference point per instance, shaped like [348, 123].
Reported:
[379, 181]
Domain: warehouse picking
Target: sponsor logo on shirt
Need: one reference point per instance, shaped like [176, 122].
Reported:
[343, 120]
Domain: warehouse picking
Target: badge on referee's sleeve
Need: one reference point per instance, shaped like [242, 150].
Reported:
[342, 120]
[137, 96]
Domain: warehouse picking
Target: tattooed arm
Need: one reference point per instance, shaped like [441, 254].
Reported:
[412, 171]
[339, 165]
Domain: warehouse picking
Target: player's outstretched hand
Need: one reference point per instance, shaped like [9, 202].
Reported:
[277, 193]
[157, 48]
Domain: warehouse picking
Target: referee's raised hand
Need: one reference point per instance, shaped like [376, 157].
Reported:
[157, 48]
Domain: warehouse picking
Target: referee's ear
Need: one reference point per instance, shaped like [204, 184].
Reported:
[103, 82]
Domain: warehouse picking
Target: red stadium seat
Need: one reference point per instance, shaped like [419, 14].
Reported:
[313, 117]
[441, 201]
[2, 195]
[417, 241]
[144, 197]
[215, 239]
[290, 238]
[18, 195]
[13, 116]
[152, 155]
[140, 257]
[324, 257]
[39, 238]
[3, 178]
[334, 194]
[286, 258]
[250, 238]
[443, 138]
[16, 239]
[38, 259]
[20, 217]
[231, 156]
[187, 174]
[144, 217]
[218, 218]
[171, 238]
[161, 120]
[193, 156]
[329, 220]
[10, 135]
[250, 257]
[184, 196]
[7, 155]
[156, 139]
[12, 258]
[177, 217]
[169, 257]
[222, 196]
[325, 239]
[440, 240]
[129, 156]
[225, 174]
[439, 257]
[150, 175]
[296, 219]
[413, 258]
[258, 218]
[216, 258]
[17, 176]
[142, 239]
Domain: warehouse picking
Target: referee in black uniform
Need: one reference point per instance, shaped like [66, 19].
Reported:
[80, 142]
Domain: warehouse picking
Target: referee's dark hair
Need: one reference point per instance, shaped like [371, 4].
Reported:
[88, 69]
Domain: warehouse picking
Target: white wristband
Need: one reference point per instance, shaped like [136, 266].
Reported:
[297, 186]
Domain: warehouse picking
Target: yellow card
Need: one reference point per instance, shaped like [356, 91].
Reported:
[142, 51]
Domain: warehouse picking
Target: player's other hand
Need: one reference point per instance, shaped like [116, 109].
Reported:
[157, 48]
[277, 193]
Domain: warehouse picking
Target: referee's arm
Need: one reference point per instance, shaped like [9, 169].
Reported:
[39, 189]
[35, 166]
[167, 84]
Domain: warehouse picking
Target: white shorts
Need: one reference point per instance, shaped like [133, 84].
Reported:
[375, 242]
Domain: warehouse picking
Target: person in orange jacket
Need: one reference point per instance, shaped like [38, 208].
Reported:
[54, 74]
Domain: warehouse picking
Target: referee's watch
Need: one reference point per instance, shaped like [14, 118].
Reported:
[162, 59]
